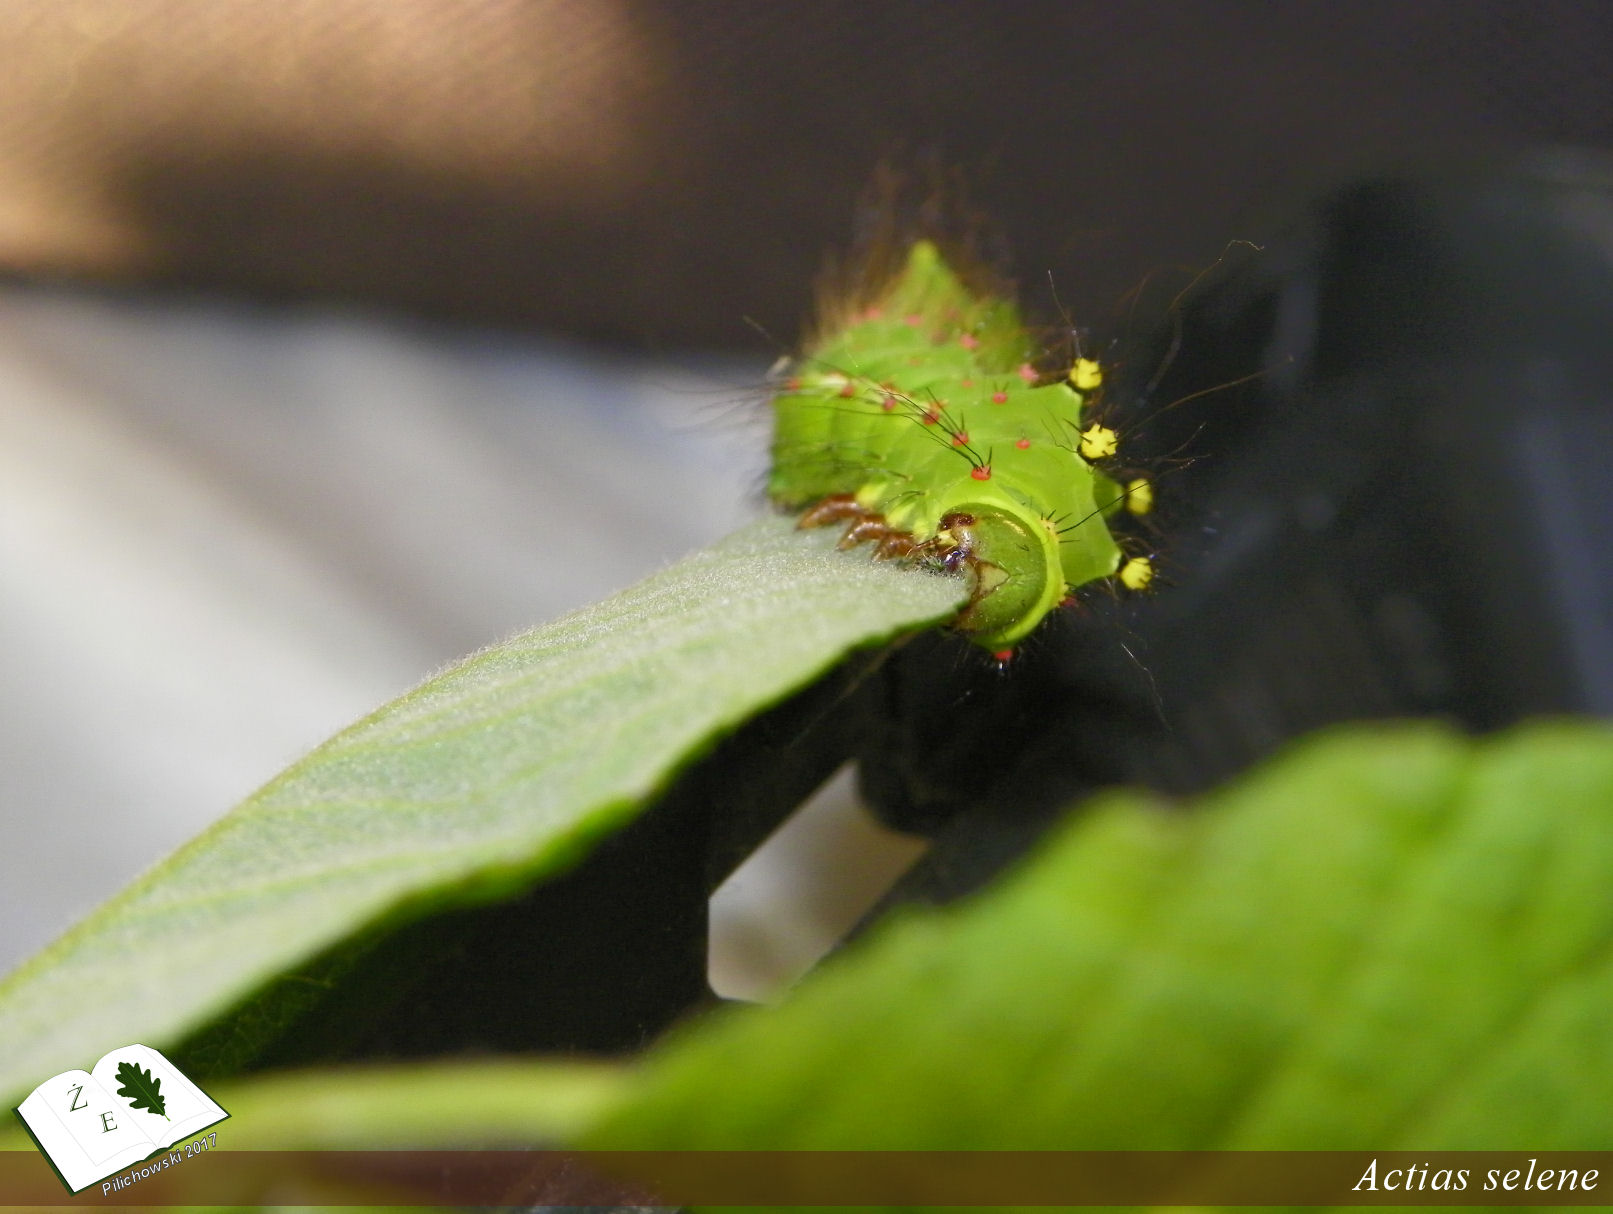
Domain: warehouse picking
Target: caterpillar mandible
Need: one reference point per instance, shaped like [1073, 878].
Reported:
[920, 422]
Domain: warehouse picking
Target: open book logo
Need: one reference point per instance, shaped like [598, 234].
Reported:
[132, 1105]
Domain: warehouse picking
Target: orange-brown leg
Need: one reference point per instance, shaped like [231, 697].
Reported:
[871, 528]
[867, 526]
[897, 546]
[835, 509]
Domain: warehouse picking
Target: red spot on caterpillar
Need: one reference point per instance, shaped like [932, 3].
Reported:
[1002, 656]
[873, 312]
[1024, 444]
[888, 404]
[913, 320]
[966, 383]
[960, 439]
[968, 341]
[999, 398]
[1028, 373]
[793, 383]
[848, 389]
[982, 473]
[932, 415]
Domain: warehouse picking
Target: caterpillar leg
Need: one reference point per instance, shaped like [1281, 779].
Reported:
[889, 543]
[834, 509]
[866, 526]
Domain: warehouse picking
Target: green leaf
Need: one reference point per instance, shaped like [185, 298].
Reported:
[489, 777]
[1388, 938]
[143, 1089]
[504, 1102]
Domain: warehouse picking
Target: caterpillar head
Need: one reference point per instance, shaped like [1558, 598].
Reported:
[1017, 578]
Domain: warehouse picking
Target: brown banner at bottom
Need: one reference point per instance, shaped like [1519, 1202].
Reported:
[833, 1178]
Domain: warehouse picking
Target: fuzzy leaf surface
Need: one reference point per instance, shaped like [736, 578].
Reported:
[501, 770]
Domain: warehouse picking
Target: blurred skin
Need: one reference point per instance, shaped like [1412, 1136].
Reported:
[656, 172]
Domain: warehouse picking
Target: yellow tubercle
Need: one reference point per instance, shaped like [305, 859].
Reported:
[1098, 442]
[1139, 495]
[1136, 573]
[1086, 374]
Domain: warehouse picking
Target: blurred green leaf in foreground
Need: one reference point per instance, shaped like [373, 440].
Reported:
[1388, 937]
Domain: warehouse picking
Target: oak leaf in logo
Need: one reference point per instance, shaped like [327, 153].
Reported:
[143, 1089]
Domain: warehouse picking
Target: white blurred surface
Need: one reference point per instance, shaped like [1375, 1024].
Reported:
[225, 532]
[798, 894]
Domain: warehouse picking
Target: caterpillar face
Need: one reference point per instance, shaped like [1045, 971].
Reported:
[922, 424]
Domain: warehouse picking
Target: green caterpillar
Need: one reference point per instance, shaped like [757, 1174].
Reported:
[920, 422]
